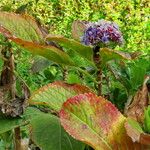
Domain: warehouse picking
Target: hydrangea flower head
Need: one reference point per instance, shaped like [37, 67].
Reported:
[102, 32]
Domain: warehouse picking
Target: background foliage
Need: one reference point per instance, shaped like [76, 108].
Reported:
[132, 16]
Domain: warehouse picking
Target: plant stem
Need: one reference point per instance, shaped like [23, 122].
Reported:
[12, 76]
[17, 132]
[97, 61]
[17, 136]
[8, 78]
[99, 80]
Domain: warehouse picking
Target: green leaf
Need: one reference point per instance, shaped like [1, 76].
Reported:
[95, 121]
[109, 54]
[82, 50]
[39, 64]
[137, 74]
[22, 26]
[55, 94]
[47, 133]
[134, 130]
[50, 52]
[73, 78]
[123, 79]
[135, 125]
[147, 120]
[7, 124]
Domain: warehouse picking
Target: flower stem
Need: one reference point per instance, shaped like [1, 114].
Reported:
[97, 61]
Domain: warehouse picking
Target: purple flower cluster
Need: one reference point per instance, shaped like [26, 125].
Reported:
[102, 32]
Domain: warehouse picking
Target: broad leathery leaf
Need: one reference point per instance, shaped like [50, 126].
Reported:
[22, 26]
[78, 28]
[135, 131]
[82, 50]
[55, 94]
[50, 52]
[48, 134]
[95, 121]
[109, 54]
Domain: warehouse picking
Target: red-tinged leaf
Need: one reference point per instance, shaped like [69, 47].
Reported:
[55, 94]
[50, 52]
[95, 121]
[82, 50]
[78, 28]
[22, 26]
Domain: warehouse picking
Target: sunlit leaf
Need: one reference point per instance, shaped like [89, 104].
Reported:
[82, 50]
[47, 134]
[110, 54]
[55, 94]
[94, 121]
[50, 52]
[21, 26]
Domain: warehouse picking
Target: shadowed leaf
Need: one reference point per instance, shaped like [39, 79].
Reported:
[55, 94]
[82, 50]
[39, 64]
[95, 121]
[7, 123]
[139, 103]
[21, 26]
[47, 134]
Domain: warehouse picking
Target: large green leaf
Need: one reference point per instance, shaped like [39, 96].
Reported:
[50, 52]
[110, 54]
[22, 26]
[55, 94]
[82, 50]
[47, 133]
[95, 121]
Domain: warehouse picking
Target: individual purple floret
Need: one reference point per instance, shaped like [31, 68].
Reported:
[102, 32]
